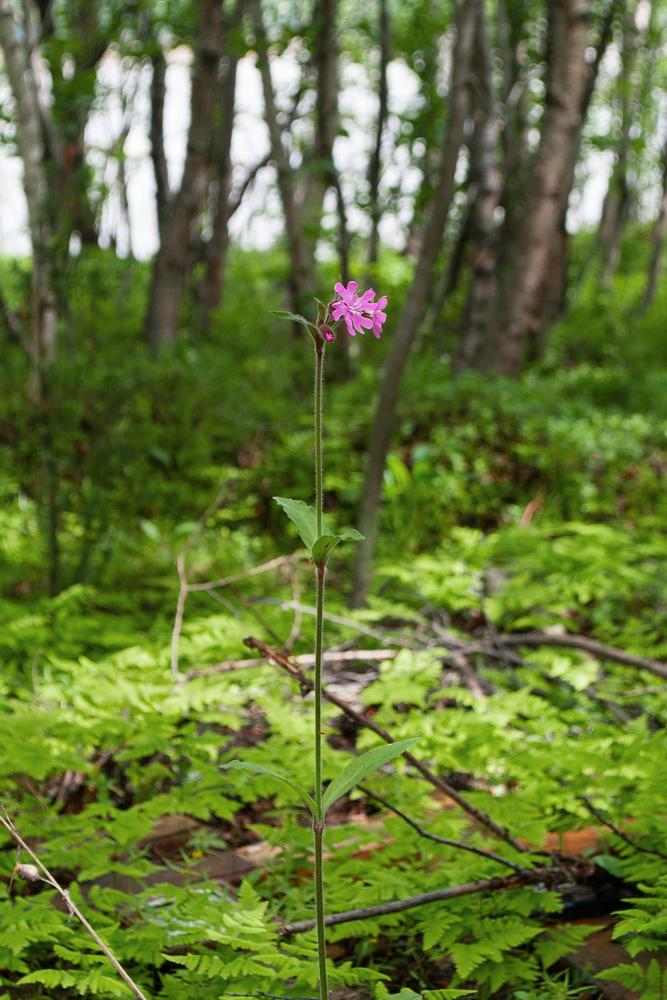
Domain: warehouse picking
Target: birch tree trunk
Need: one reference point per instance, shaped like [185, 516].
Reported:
[555, 285]
[415, 303]
[181, 209]
[30, 110]
[515, 308]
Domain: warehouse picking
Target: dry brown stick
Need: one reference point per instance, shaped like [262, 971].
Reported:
[398, 905]
[295, 631]
[187, 588]
[183, 583]
[614, 829]
[597, 649]
[304, 660]
[361, 720]
[488, 855]
[471, 678]
[31, 874]
[239, 577]
[335, 619]
[642, 692]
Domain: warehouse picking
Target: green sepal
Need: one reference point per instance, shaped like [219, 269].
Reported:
[358, 768]
[244, 765]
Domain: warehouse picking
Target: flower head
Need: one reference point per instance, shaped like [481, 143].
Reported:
[359, 311]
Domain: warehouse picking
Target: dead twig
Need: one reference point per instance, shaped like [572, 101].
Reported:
[538, 875]
[295, 631]
[273, 655]
[183, 581]
[488, 855]
[186, 588]
[597, 649]
[304, 660]
[615, 830]
[30, 873]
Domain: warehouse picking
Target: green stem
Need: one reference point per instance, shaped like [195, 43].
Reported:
[318, 825]
[319, 363]
[318, 830]
[319, 629]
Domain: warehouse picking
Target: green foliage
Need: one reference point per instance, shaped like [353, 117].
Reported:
[86, 685]
[304, 519]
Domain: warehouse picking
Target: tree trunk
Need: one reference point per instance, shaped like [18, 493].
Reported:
[170, 266]
[216, 250]
[415, 302]
[554, 288]
[515, 308]
[321, 173]
[158, 155]
[375, 164]
[301, 278]
[658, 240]
[484, 174]
[31, 140]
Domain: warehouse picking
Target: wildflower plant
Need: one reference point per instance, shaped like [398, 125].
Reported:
[359, 313]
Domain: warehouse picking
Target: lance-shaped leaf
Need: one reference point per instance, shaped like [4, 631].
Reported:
[281, 314]
[244, 765]
[325, 543]
[357, 769]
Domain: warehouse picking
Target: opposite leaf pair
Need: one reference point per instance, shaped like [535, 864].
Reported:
[351, 775]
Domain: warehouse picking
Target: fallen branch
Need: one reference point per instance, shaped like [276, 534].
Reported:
[30, 873]
[538, 875]
[186, 588]
[615, 830]
[273, 655]
[488, 855]
[597, 649]
[305, 660]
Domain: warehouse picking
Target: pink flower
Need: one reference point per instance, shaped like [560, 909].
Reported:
[379, 316]
[359, 311]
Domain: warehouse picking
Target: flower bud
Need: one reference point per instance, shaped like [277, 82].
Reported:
[327, 332]
[29, 873]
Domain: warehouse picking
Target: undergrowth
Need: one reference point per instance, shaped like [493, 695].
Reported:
[530, 505]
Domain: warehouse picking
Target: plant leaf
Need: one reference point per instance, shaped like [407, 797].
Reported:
[245, 765]
[281, 314]
[327, 542]
[303, 517]
[358, 768]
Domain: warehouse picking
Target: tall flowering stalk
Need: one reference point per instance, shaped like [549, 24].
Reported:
[359, 313]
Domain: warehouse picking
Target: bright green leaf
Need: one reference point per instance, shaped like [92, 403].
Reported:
[358, 768]
[302, 517]
[610, 864]
[327, 542]
[243, 765]
[282, 314]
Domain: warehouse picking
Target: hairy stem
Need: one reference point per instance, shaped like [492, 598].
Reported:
[318, 830]
[319, 363]
[318, 825]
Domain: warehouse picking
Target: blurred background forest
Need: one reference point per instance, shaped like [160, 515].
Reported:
[171, 171]
[458, 161]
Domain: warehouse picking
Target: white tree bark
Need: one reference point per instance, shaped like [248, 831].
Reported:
[19, 62]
